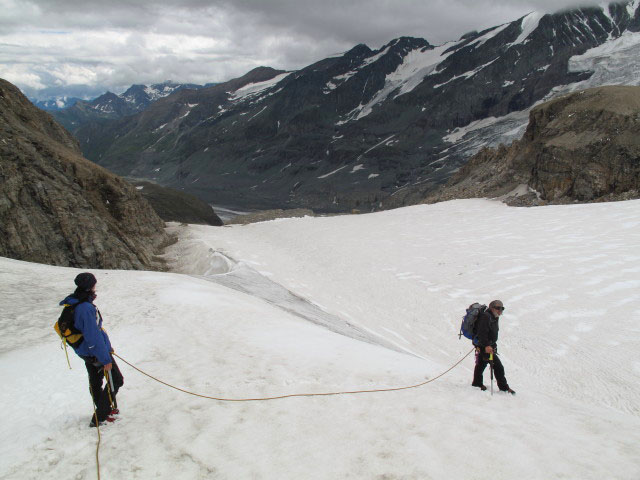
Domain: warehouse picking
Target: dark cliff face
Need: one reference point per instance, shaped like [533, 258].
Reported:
[58, 208]
[582, 147]
[176, 206]
[587, 146]
[365, 129]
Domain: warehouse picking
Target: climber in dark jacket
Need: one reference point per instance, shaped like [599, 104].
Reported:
[486, 343]
[95, 349]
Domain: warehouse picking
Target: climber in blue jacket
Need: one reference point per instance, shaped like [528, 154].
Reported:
[95, 349]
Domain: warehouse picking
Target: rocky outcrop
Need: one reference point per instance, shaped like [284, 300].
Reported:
[583, 147]
[58, 208]
[175, 206]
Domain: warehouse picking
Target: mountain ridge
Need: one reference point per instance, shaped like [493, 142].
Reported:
[365, 129]
[56, 207]
[109, 105]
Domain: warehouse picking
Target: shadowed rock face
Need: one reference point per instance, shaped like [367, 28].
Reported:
[58, 208]
[582, 147]
[176, 206]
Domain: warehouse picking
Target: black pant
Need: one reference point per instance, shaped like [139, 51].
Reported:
[482, 359]
[103, 397]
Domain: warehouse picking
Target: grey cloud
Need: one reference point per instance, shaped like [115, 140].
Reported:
[379, 21]
[200, 41]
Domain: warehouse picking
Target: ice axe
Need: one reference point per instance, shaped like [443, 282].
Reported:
[491, 369]
[110, 389]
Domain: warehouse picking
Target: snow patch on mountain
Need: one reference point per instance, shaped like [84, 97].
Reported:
[337, 80]
[529, 24]
[478, 42]
[252, 89]
[154, 93]
[340, 79]
[605, 9]
[386, 142]
[458, 133]
[467, 74]
[417, 64]
[334, 171]
[488, 132]
[104, 108]
[376, 57]
[254, 116]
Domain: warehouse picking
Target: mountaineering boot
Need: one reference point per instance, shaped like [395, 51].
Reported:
[115, 411]
[508, 390]
[93, 423]
[481, 387]
[109, 419]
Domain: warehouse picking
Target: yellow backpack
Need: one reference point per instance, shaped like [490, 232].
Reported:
[65, 328]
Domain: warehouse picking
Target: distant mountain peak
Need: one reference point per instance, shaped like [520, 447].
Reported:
[359, 50]
[109, 105]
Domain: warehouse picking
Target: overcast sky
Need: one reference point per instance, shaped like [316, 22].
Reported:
[89, 46]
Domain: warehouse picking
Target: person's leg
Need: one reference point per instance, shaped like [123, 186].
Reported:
[95, 380]
[481, 364]
[498, 371]
[100, 395]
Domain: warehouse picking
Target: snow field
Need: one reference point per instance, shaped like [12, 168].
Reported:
[568, 276]
[569, 272]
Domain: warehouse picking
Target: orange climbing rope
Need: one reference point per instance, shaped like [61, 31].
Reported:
[261, 399]
[352, 392]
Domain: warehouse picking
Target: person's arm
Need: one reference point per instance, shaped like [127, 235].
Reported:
[85, 320]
